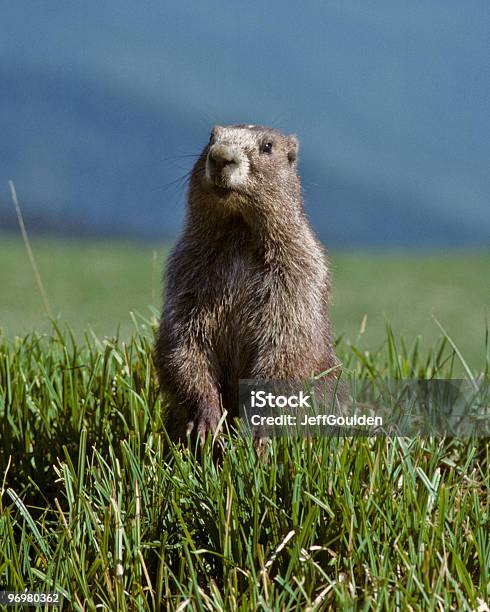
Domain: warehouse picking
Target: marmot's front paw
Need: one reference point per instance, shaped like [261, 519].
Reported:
[261, 446]
[202, 425]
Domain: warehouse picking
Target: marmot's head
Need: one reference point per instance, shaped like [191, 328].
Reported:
[246, 166]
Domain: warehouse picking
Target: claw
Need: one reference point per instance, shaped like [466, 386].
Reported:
[261, 446]
[202, 425]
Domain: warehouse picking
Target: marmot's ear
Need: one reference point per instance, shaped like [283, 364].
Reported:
[215, 131]
[293, 147]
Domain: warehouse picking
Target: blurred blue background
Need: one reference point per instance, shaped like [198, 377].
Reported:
[102, 103]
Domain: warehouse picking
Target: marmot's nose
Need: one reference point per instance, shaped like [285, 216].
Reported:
[221, 155]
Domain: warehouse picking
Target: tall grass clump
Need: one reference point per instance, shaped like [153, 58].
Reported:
[96, 504]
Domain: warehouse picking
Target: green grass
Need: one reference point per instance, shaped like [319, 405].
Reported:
[99, 283]
[95, 504]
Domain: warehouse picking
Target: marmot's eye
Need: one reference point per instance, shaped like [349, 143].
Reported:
[266, 147]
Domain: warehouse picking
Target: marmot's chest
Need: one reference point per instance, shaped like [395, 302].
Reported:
[237, 280]
[243, 291]
[241, 284]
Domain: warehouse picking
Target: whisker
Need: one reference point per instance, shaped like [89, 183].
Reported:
[184, 156]
[180, 182]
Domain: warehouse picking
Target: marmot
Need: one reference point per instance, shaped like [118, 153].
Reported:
[247, 284]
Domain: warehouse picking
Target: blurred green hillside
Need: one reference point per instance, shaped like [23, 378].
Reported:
[100, 283]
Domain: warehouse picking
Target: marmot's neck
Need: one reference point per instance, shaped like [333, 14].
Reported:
[271, 223]
[282, 234]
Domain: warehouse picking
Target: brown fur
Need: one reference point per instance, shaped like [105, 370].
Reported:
[247, 286]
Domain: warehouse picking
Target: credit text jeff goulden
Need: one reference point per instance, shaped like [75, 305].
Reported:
[260, 399]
